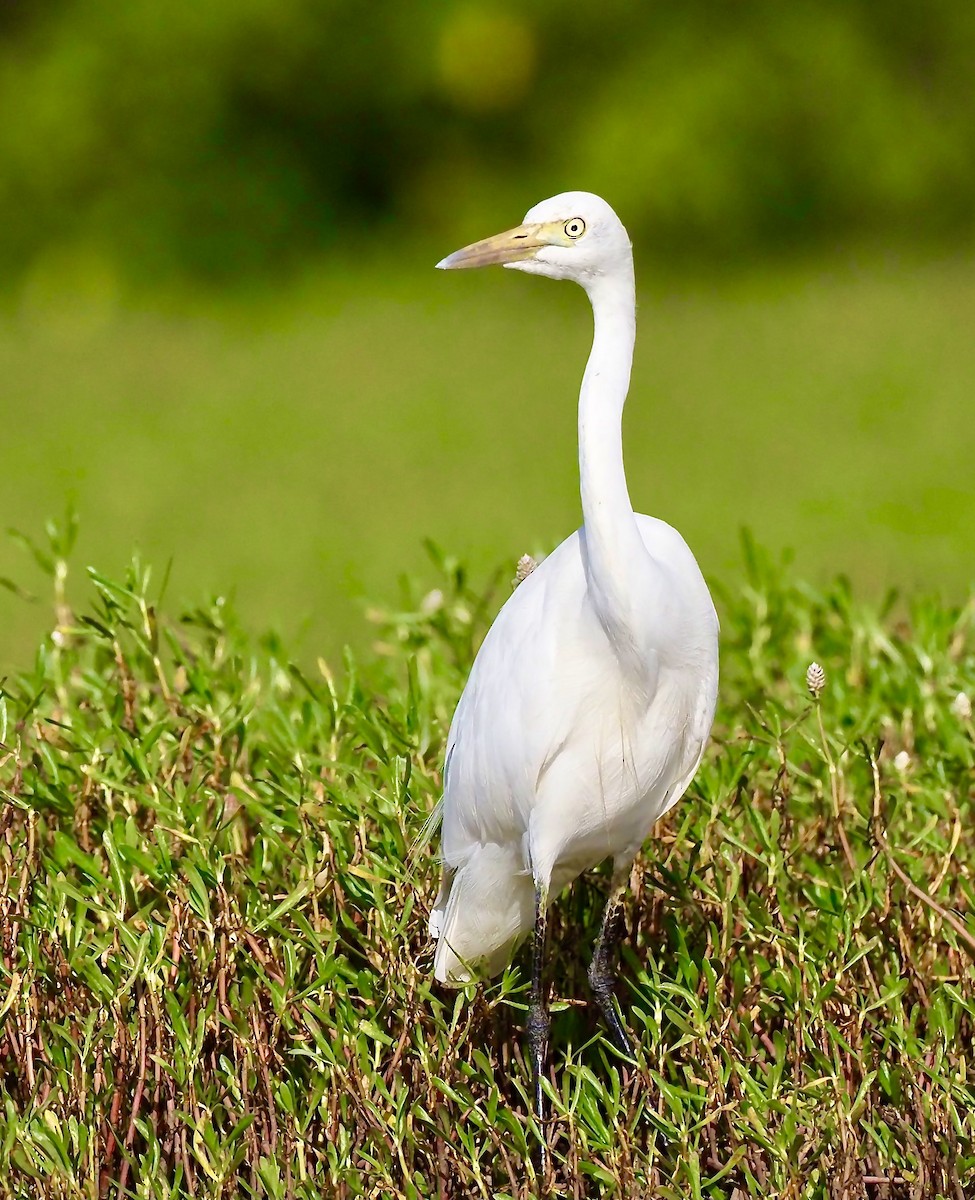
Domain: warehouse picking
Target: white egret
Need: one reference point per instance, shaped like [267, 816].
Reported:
[591, 699]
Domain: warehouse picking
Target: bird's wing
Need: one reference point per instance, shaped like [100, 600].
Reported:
[522, 700]
[695, 640]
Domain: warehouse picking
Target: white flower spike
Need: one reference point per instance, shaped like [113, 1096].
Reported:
[526, 564]
[815, 678]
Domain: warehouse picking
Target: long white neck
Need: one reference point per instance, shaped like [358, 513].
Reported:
[619, 570]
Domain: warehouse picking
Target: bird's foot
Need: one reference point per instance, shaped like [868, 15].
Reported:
[602, 984]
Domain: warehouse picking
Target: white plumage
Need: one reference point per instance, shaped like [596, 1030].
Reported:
[558, 757]
[590, 701]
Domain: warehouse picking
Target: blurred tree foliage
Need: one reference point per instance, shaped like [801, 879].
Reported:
[236, 135]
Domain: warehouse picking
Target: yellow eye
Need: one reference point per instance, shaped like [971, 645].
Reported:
[575, 228]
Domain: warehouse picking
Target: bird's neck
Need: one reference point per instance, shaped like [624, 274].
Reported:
[618, 568]
[605, 500]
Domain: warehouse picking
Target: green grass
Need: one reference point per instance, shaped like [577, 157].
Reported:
[214, 974]
[299, 445]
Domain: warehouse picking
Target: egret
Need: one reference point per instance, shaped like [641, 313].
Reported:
[590, 701]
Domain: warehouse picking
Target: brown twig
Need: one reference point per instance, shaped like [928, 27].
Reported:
[263, 1050]
[105, 1177]
[140, 1085]
[261, 957]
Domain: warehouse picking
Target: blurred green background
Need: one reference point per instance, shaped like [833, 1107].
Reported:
[222, 339]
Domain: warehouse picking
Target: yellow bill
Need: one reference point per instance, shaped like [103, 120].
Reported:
[514, 245]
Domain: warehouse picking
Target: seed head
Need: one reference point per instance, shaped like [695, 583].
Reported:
[432, 602]
[902, 761]
[815, 678]
[961, 706]
[526, 564]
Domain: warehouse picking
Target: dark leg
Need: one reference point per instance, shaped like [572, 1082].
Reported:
[602, 976]
[538, 1024]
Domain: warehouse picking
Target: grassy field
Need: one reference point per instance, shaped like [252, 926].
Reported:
[214, 975]
[296, 448]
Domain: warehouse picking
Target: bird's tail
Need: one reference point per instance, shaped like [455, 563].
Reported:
[483, 908]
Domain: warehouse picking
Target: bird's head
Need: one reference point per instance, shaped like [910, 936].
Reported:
[575, 235]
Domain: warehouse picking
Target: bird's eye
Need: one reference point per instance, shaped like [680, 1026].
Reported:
[575, 228]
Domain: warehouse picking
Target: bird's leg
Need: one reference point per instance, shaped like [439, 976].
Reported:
[538, 1022]
[602, 976]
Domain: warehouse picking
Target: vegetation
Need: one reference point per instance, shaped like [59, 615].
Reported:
[242, 135]
[297, 445]
[214, 971]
